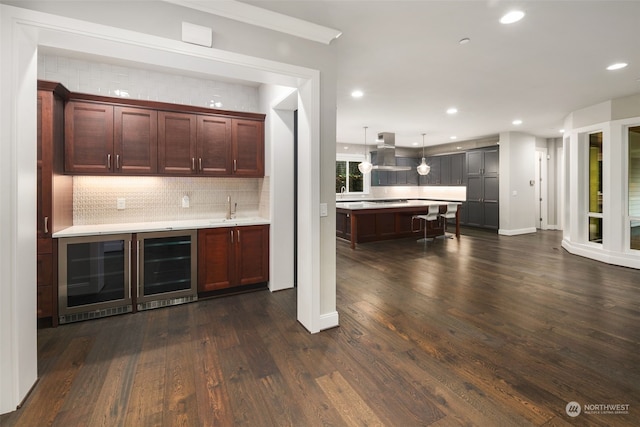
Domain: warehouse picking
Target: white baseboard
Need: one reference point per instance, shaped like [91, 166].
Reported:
[587, 250]
[517, 232]
[329, 320]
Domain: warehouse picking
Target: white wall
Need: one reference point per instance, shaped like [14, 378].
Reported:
[238, 53]
[612, 118]
[517, 196]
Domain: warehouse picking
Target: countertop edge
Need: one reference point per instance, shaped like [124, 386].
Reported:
[147, 227]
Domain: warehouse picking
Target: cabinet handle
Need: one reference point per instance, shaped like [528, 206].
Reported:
[193, 163]
[235, 165]
[231, 231]
[238, 236]
[46, 225]
[117, 161]
[109, 161]
[137, 266]
[200, 163]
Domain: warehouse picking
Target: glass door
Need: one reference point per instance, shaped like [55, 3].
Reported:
[94, 277]
[166, 268]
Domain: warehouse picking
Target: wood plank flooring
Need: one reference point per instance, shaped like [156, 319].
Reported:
[486, 330]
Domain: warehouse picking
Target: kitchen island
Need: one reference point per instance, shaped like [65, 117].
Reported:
[370, 221]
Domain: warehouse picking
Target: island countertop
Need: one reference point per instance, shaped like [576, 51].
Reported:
[367, 221]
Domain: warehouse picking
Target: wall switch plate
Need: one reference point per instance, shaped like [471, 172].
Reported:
[323, 209]
[120, 203]
[185, 201]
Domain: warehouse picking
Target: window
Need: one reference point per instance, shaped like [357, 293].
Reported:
[595, 187]
[634, 186]
[349, 177]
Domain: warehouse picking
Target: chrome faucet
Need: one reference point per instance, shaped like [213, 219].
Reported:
[342, 190]
[231, 213]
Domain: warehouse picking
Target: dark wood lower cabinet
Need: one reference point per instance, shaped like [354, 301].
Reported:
[233, 256]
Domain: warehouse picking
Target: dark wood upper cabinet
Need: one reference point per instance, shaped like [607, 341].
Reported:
[248, 147]
[88, 138]
[132, 137]
[135, 141]
[214, 151]
[176, 143]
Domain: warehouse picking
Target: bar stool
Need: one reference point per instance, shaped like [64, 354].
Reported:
[432, 215]
[452, 209]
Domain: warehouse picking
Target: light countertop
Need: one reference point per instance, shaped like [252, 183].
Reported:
[391, 204]
[143, 227]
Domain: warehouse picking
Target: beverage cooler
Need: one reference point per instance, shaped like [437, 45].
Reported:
[94, 277]
[167, 268]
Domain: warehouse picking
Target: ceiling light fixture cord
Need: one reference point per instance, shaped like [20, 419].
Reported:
[365, 166]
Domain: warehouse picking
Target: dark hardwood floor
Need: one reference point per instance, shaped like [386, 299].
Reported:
[486, 330]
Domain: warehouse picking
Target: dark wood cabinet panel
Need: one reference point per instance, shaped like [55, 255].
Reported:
[216, 259]
[252, 254]
[176, 143]
[89, 138]
[232, 256]
[248, 147]
[214, 149]
[54, 192]
[135, 141]
[343, 225]
[457, 169]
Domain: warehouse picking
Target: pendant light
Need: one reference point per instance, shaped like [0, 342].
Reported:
[365, 166]
[423, 168]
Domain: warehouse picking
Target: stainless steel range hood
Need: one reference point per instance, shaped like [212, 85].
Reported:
[386, 154]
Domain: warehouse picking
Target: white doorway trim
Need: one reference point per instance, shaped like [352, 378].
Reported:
[22, 33]
[541, 190]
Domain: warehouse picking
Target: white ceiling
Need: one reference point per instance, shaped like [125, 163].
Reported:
[405, 57]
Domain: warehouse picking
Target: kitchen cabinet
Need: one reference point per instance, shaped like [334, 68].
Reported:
[103, 139]
[54, 193]
[176, 143]
[229, 257]
[482, 206]
[457, 175]
[247, 141]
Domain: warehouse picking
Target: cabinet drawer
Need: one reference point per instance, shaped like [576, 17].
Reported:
[45, 301]
[45, 270]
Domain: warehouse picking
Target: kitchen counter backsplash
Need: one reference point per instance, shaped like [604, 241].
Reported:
[95, 198]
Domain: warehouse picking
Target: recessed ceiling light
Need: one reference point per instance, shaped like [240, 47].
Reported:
[357, 94]
[414, 144]
[452, 110]
[346, 148]
[517, 122]
[511, 17]
[453, 137]
[617, 66]
[561, 130]
[458, 148]
[464, 40]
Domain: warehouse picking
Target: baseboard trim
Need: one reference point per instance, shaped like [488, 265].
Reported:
[517, 231]
[329, 320]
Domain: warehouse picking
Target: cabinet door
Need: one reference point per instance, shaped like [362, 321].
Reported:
[445, 170]
[214, 146]
[248, 147]
[216, 259]
[457, 169]
[176, 143]
[136, 140]
[88, 138]
[252, 252]
[45, 164]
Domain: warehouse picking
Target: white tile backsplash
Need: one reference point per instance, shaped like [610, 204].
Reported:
[160, 198]
[104, 79]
